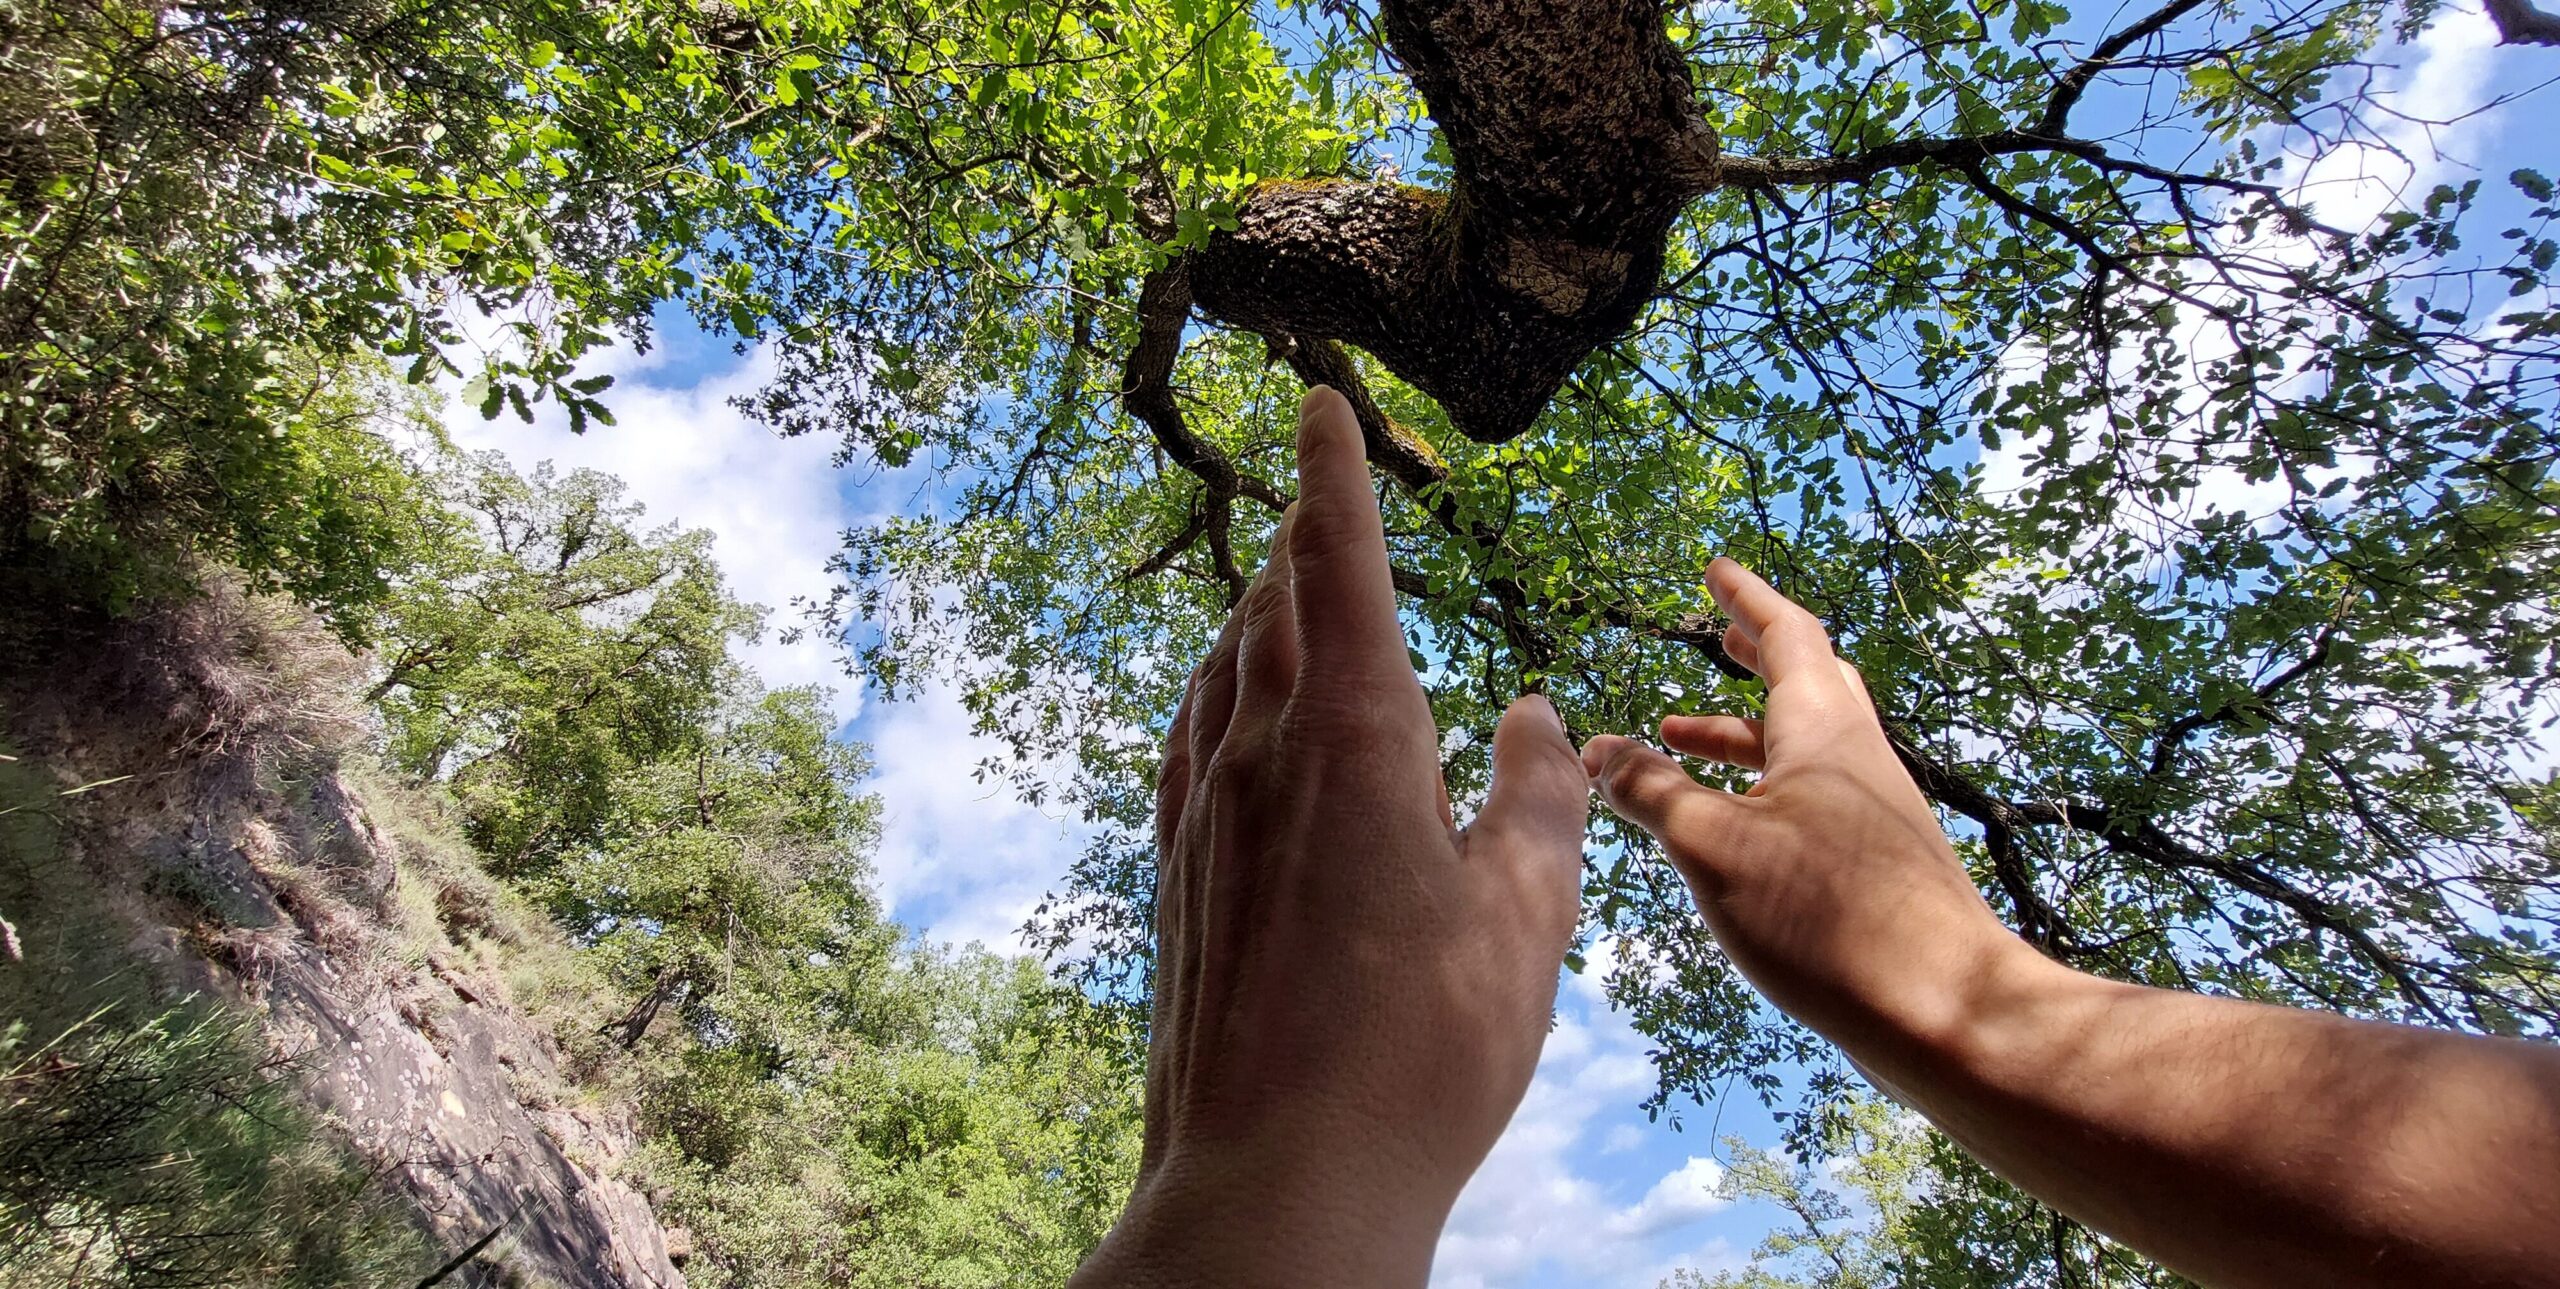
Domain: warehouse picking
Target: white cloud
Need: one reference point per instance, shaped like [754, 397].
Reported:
[2431, 118]
[2438, 100]
[1533, 1209]
[958, 859]
[962, 859]
[772, 503]
[1684, 1195]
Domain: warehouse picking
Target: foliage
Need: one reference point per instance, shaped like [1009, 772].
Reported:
[1891, 1201]
[171, 1151]
[827, 1103]
[1830, 1243]
[2202, 553]
[993, 1145]
[167, 266]
[2201, 556]
[539, 647]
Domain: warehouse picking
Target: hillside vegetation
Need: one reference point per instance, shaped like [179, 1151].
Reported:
[539, 916]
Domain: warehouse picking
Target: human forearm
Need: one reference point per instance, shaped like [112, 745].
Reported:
[2249, 1145]
[2239, 1144]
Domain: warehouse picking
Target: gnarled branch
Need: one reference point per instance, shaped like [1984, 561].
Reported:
[1574, 141]
[1146, 389]
[2519, 23]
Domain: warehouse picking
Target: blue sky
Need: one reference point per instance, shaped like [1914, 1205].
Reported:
[1583, 1190]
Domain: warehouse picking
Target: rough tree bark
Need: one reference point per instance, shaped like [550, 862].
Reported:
[1575, 141]
[2519, 23]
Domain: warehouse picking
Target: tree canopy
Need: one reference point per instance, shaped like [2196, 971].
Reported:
[2196, 533]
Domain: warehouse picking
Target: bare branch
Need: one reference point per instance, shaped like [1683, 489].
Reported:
[1146, 389]
[2074, 83]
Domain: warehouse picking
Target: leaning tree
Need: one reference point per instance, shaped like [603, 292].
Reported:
[2164, 426]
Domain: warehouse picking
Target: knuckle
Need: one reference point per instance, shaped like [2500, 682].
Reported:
[1236, 766]
[1627, 776]
[1319, 529]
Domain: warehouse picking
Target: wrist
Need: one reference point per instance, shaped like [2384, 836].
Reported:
[1990, 1023]
[1240, 1222]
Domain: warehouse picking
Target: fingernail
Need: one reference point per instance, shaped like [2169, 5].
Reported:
[1554, 717]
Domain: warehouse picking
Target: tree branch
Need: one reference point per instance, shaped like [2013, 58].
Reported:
[2165, 745]
[2519, 23]
[1172, 549]
[1146, 390]
[1574, 142]
[1967, 152]
[1507, 606]
[2074, 83]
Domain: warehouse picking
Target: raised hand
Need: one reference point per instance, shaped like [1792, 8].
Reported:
[1350, 992]
[2238, 1144]
[1829, 882]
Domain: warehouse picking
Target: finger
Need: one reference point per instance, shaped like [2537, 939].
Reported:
[1338, 547]
[1857, 685]
[1213, 695]
[1789, 641]
[1540, 797]
[1650, 790]
[1170, 1014]
[1741, 649]
[1173, 775]
[1267, 646]
[1172, 927]
[1727, 740]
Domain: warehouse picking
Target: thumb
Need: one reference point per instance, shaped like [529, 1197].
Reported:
[1650, 790]
[1540, 799]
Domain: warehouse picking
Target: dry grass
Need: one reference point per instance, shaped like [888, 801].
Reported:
[230, 809]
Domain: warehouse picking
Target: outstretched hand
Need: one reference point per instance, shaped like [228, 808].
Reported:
[1350, 992]
[1829, 882]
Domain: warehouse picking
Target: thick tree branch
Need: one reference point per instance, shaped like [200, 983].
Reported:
[2519, 23]
[1174, 548]
[2074, 83]
[1146, 390]
[1574, 142]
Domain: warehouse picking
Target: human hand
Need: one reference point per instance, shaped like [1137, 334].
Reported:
[1830, 882]
[1350, 992]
